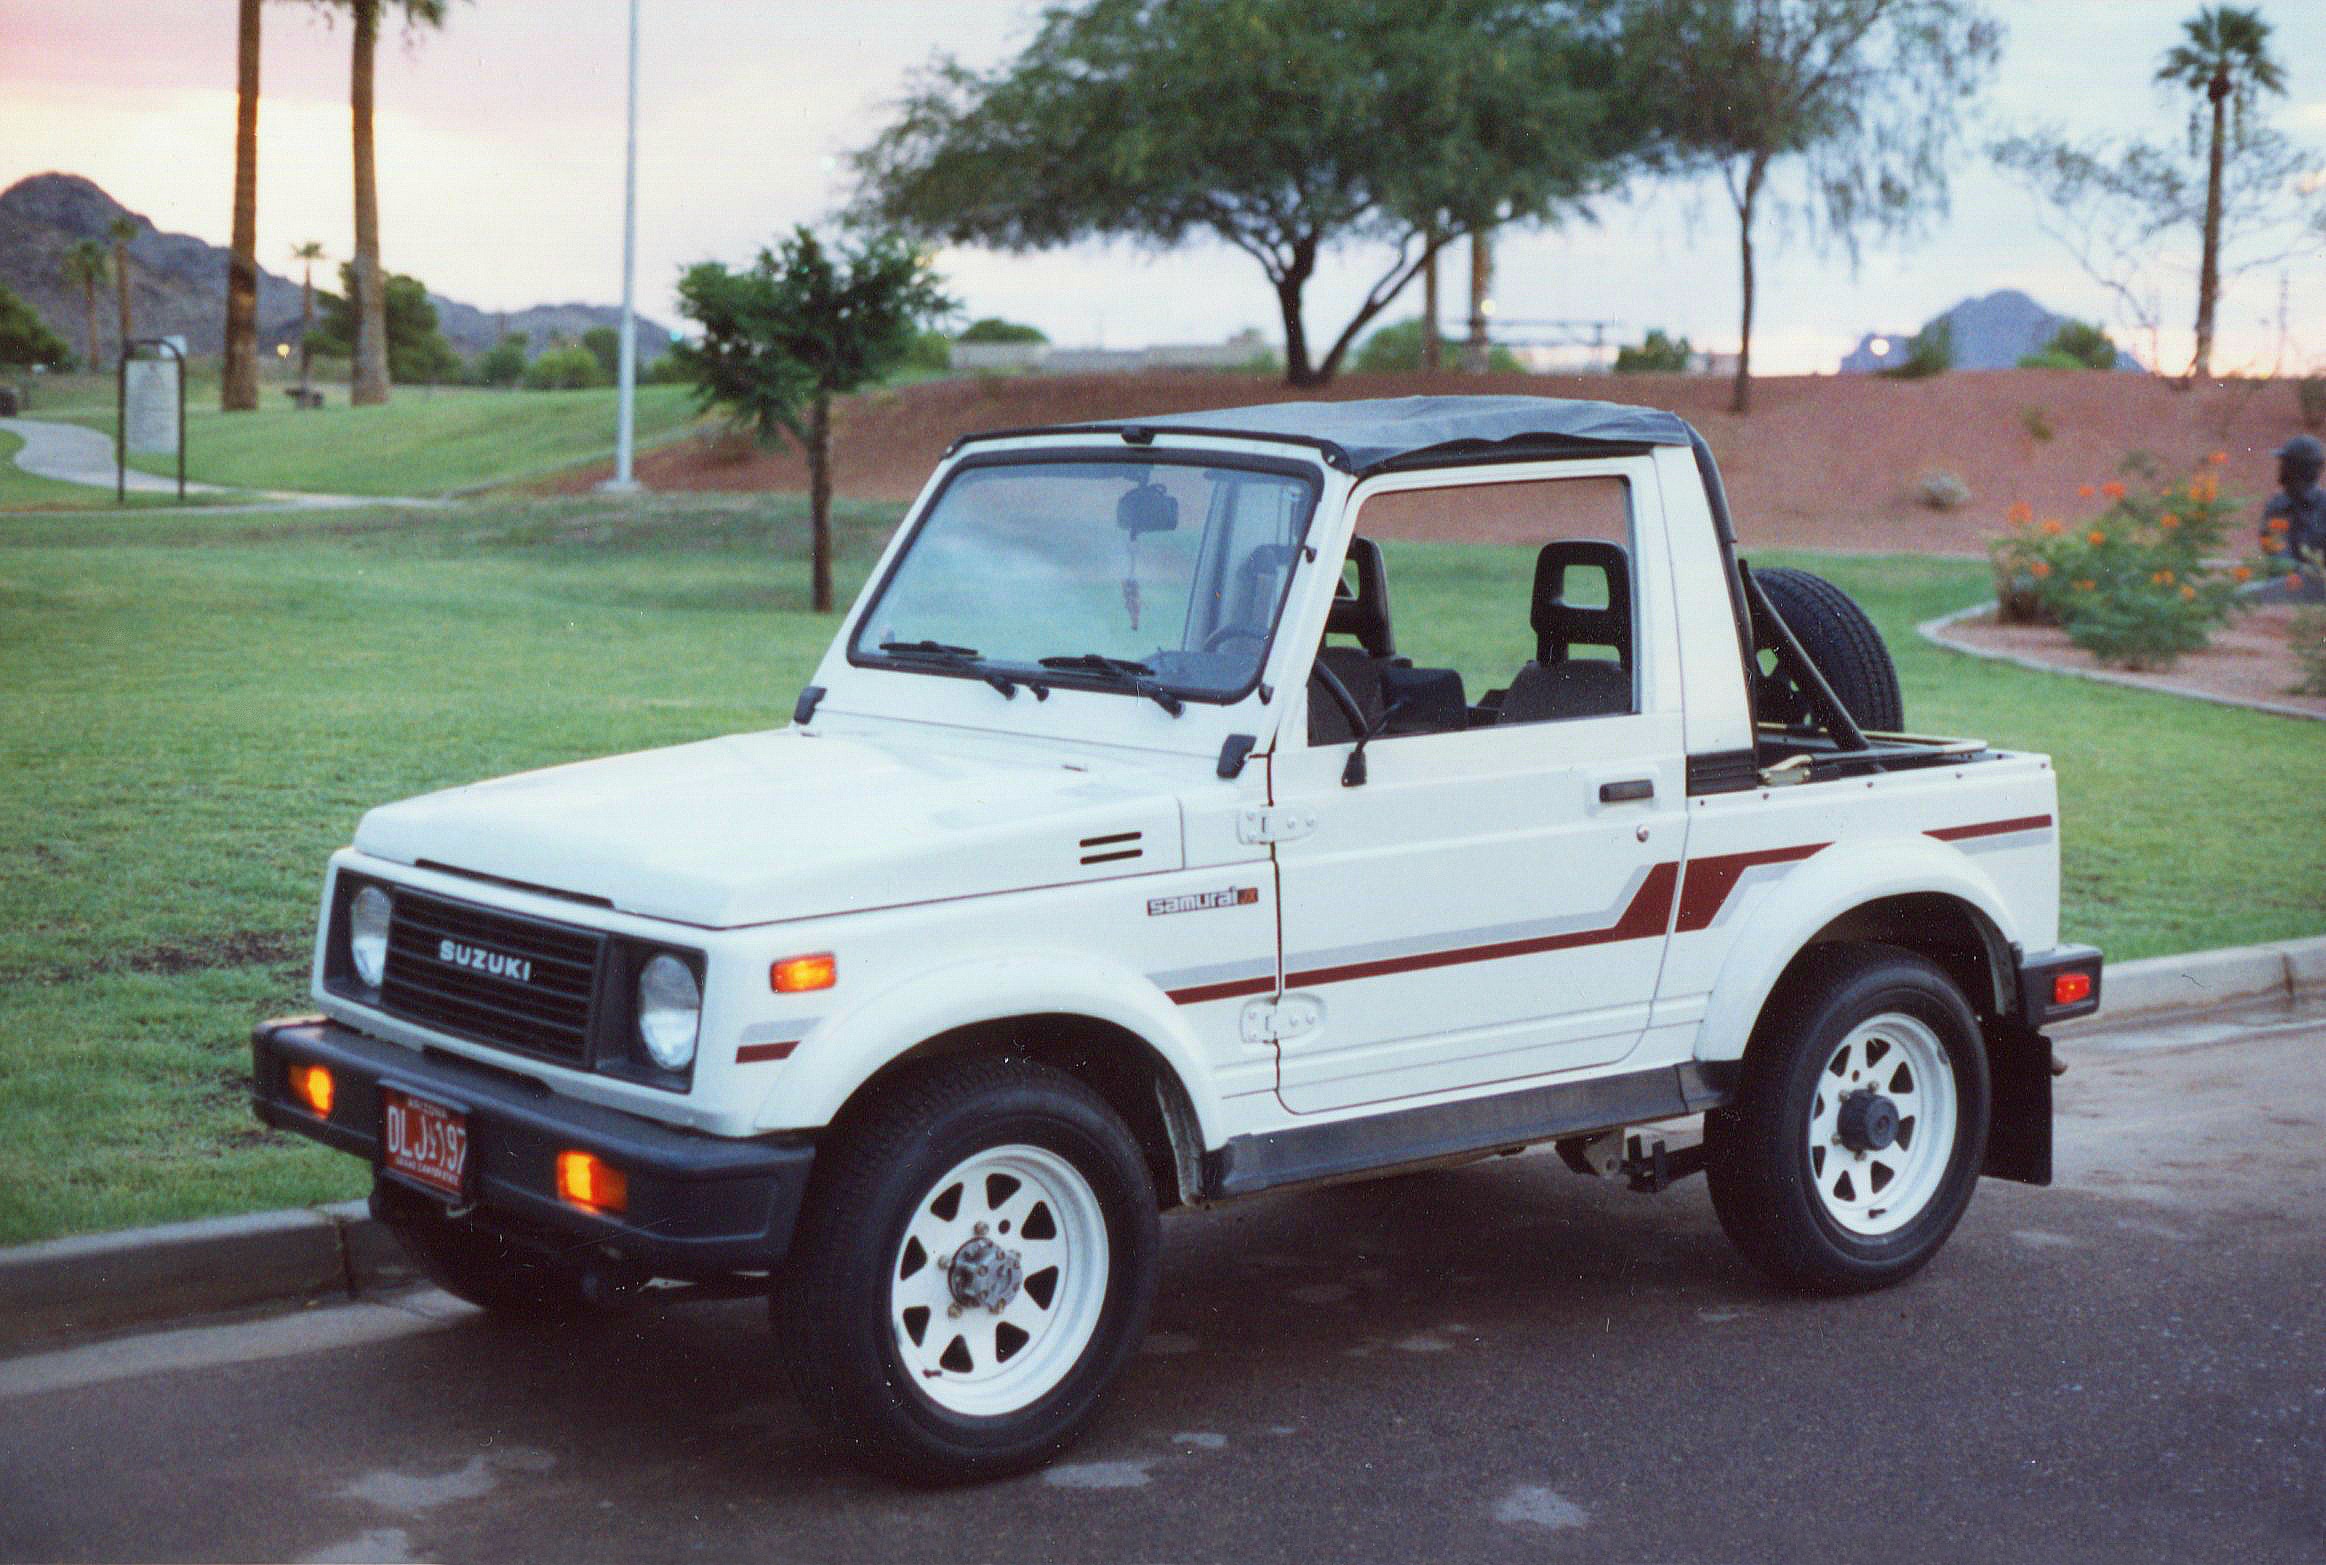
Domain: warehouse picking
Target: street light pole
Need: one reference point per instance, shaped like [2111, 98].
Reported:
[626, 373]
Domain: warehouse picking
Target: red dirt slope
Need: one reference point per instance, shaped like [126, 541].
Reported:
[1823, 461]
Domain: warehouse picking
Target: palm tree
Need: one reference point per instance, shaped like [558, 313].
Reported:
[307, 253]
[2225, 56]
[370, 383]
[122, 230]
[238, 386]
[86, 267]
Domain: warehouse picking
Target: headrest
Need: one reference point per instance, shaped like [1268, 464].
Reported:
[1560, 624]
[1366, 614]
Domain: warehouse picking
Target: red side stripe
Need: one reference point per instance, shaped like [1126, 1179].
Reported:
[757, 1053]
[1650, 906]
[1989, 828]
[1711, 879]
[1224, 991]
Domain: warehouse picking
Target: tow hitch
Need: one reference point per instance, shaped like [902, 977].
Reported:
[1648, 1158]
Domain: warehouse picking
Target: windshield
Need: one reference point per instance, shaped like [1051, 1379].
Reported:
[1109, 573]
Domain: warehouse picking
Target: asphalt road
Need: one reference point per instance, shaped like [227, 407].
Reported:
[1499, 1362]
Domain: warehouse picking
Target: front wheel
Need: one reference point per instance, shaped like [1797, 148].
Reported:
[974, 1269]
[1859, 1127]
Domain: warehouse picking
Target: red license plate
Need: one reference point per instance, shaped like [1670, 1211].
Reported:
[425, 1142]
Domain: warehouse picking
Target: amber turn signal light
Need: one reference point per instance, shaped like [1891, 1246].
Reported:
[2071, 988]
[313, 1086]
[799, 974]
[589, 1181]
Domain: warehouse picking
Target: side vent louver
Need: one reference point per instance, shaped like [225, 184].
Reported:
[1108, 849]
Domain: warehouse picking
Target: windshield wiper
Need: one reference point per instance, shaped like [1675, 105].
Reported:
[1124, 673]
[963, 658]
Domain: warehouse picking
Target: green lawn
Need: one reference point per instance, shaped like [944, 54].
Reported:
[426, 441]
[20, 491]
[194, 710]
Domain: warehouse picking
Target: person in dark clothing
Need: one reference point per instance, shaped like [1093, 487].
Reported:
[2293, 524]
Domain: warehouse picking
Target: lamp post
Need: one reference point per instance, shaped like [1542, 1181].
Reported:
[626, 371]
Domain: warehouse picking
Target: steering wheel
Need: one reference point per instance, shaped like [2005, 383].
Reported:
[1228, 633]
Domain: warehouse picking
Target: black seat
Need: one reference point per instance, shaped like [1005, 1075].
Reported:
[1558, 683]
[1363, 615]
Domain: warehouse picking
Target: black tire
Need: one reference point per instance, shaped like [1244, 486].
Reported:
[832, 1305]
[482, 1267]
[1844, 645]
[1763, 1173]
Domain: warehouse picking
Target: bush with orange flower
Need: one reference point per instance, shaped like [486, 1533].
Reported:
[2138, 583]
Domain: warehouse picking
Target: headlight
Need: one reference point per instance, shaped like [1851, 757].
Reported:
[367, 934]
[670, 1011]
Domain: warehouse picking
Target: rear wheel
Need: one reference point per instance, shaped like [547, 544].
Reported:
[1859, 1127]
[974, 1269]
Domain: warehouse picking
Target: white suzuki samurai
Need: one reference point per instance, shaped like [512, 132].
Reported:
[1117, 860]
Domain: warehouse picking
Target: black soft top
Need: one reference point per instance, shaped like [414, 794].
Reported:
[1383, 432]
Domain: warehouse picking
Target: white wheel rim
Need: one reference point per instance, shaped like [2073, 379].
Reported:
[987, 1359]
[1878, 1191]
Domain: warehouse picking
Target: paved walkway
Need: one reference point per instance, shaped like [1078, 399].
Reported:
[76, 454]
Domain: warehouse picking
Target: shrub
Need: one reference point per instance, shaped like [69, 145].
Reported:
[1930, 353]
[931, 353]
[605, 345]
[2077, 345]
[1656, 354]
[568, 368]
[668, 369]
[1942, 490]
[1396, 349]
[2136, 585]
[994, 329]
[2036, 420]
[502, 364]
[2306, 633]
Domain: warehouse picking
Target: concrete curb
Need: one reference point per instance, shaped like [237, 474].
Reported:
[99, 1283]
[1934, 632]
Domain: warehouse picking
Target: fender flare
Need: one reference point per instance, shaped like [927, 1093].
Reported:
[1836, 881]
[849, 1048]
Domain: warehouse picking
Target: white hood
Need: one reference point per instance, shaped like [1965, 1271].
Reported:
[755, 828]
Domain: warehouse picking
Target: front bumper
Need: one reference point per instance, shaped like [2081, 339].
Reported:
[699, 1206]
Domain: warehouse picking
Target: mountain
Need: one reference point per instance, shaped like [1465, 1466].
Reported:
[178, 282]
[1993, 333]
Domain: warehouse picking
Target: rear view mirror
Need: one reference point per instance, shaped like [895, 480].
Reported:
[1147, 509]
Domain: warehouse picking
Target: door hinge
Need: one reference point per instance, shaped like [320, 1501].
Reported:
[1273, 1021]
[1280, 823]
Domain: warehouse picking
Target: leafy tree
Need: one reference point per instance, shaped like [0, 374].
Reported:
[1398, 348]
[25, 337]
[502, 364]
[566, 367]
[85, 266]
[1929, 352]
[784, 336]
[416, 351]
[238, 382]
[605, 345]
[307, 253]
[2224, 57]
[1864, 96]
[2077, 345]
[372, 345]
[1281, 127]
[993, 328]
[120, 231]
[1656, 354]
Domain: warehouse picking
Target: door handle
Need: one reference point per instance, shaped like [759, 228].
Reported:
[1627, 792]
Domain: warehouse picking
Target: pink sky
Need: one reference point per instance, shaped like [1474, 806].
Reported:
[501, 144]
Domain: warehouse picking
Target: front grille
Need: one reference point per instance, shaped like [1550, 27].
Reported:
[524, 985]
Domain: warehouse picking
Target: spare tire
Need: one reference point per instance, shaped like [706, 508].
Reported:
[1842, 641]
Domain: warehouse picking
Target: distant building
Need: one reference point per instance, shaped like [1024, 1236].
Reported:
[1991, 333]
